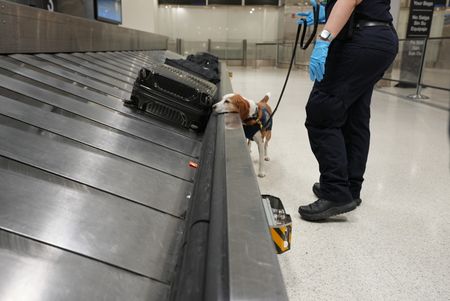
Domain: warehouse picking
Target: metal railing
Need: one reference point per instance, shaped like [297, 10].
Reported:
[225, 50]
[421, 63]
[246, 53]
[279, 54]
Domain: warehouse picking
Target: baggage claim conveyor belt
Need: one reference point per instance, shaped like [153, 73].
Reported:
[98, 201]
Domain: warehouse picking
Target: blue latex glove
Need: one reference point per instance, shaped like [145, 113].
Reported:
[318, 58]
[310, 15]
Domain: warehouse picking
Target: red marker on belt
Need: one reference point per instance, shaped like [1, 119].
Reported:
[193, 164]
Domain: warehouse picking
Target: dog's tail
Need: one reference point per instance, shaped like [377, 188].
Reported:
[266, 97]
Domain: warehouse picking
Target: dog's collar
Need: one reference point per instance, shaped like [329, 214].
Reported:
[222, 113]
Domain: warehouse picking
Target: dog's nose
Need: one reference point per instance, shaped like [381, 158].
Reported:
[214, 106]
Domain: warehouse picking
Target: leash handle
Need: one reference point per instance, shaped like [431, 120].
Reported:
[294, 52]
[316, 12]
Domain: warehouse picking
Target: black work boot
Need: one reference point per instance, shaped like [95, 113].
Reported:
[316, 190]
[323, 209]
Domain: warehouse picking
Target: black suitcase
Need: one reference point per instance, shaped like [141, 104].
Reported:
[173, 95]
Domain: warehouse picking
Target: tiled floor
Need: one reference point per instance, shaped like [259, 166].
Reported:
[396, 246]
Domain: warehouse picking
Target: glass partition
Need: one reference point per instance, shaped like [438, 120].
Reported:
[190, 47]
[230, 50]
[436, 71]
[422, 64]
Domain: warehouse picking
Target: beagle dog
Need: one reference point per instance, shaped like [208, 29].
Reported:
[256, 120]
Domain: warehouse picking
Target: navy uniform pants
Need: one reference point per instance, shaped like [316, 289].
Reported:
[338, 109]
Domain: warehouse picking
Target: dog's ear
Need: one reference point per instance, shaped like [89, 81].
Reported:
[266, 98]
[242, 105]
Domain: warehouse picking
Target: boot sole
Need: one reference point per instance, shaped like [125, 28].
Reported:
[330, 212]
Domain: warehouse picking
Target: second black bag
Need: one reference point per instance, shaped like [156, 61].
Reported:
[196, 69]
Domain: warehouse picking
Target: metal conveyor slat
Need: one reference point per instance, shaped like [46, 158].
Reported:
[41, 149]
[102, 115]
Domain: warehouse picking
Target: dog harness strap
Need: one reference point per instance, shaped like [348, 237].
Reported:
[255, 115]
[259, 123]
[251, 130]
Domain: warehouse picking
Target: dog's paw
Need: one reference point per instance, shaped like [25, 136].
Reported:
[261, 175]
[267, 158]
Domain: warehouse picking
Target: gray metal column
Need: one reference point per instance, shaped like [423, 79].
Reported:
[179, 46]
[244, 52]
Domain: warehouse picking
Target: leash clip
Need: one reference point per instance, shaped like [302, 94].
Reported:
[259, 123]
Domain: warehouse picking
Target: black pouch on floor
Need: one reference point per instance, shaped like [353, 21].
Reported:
[174, 96]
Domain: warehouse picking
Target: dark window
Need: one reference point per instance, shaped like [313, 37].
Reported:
[182, 2]
[226, 2]
[109, 11]
[261, 2]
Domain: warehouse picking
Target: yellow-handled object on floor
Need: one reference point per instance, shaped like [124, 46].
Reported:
[280, 223]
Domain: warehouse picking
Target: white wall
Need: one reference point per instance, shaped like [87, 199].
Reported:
[221, 23]
[140, 14]
[395, 11]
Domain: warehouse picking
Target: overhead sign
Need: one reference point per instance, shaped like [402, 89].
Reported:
[420, 17]
[419, 26]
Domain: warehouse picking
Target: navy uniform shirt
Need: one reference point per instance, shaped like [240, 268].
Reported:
[374, 10]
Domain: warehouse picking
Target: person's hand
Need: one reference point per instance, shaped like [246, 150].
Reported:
[318, 58]
[310, 15]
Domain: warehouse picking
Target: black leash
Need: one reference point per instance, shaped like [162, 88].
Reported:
[294, 52]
